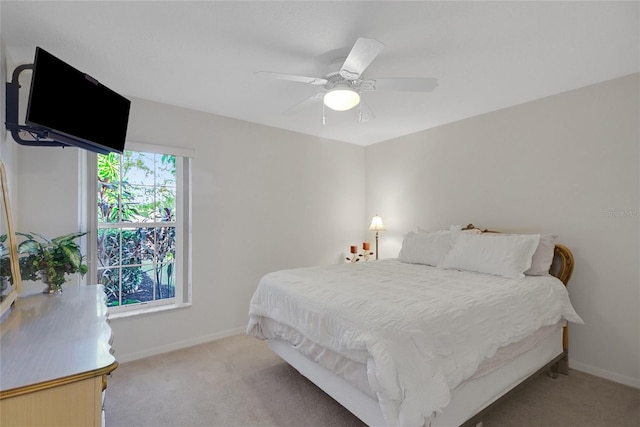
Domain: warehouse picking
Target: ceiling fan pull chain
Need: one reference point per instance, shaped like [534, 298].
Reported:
[324, 121]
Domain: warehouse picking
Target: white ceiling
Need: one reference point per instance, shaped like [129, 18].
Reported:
[203, 55]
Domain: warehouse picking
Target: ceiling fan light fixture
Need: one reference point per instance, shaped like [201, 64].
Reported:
[341, 99]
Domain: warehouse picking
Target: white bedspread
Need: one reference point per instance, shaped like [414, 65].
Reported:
[421, 330]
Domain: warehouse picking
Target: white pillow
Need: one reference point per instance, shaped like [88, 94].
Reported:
[543, 256]
[425, 248]
[501, 255]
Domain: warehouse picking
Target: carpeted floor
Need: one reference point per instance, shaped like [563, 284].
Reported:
[239, 382]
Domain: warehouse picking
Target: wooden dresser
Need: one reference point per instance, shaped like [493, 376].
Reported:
[55, 354]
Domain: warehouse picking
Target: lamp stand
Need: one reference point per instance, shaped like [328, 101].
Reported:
[376, 245]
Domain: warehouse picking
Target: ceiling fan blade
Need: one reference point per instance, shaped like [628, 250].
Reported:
[426, 84]
[310, 100]
[317, 81]
[363, 52]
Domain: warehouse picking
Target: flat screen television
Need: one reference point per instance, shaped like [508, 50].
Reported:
[75, 109]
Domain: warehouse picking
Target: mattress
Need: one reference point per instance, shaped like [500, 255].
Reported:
[420, 331]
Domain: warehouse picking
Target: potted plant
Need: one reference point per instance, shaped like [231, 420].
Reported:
[51, 259]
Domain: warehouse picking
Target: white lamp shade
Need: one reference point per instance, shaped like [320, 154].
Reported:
[341, 99]
[376, 224]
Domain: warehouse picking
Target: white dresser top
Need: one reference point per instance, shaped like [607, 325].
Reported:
[46, 338]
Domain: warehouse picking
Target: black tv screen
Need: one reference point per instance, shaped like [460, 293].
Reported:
[74, 108]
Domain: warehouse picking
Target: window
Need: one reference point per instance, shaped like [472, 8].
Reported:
[141, 215]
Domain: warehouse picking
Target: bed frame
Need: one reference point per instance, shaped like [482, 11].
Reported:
[366, 409]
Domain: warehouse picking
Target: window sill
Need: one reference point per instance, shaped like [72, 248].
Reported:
[147, 310]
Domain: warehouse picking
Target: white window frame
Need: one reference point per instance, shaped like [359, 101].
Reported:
[183, 228]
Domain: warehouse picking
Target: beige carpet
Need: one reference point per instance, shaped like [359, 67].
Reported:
[238, 382]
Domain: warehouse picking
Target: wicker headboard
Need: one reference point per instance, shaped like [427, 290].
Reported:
[562, 265]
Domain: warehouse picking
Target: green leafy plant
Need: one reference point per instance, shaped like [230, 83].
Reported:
[5, 264]
[116, 202]
[50, 259]
[114, 249]
[5, 260]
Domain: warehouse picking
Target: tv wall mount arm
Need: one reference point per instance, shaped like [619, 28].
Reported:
[40, 136]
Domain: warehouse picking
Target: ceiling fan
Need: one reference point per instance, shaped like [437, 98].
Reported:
[342, 88]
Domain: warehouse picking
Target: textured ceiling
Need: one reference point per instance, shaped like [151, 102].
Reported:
[203, 55]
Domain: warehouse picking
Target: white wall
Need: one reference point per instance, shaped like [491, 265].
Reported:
[266, 199]
[263, 199]
[567, 164]
[44, 191]
[7, 147]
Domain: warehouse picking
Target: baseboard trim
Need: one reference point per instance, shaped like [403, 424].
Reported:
[129, 357]
[603, 373]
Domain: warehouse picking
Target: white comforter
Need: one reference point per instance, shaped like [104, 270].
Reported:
[421, 330]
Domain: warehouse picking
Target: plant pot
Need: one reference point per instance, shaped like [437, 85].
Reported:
[50, 287]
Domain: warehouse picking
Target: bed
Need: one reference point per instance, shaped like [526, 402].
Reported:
[431, 338]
